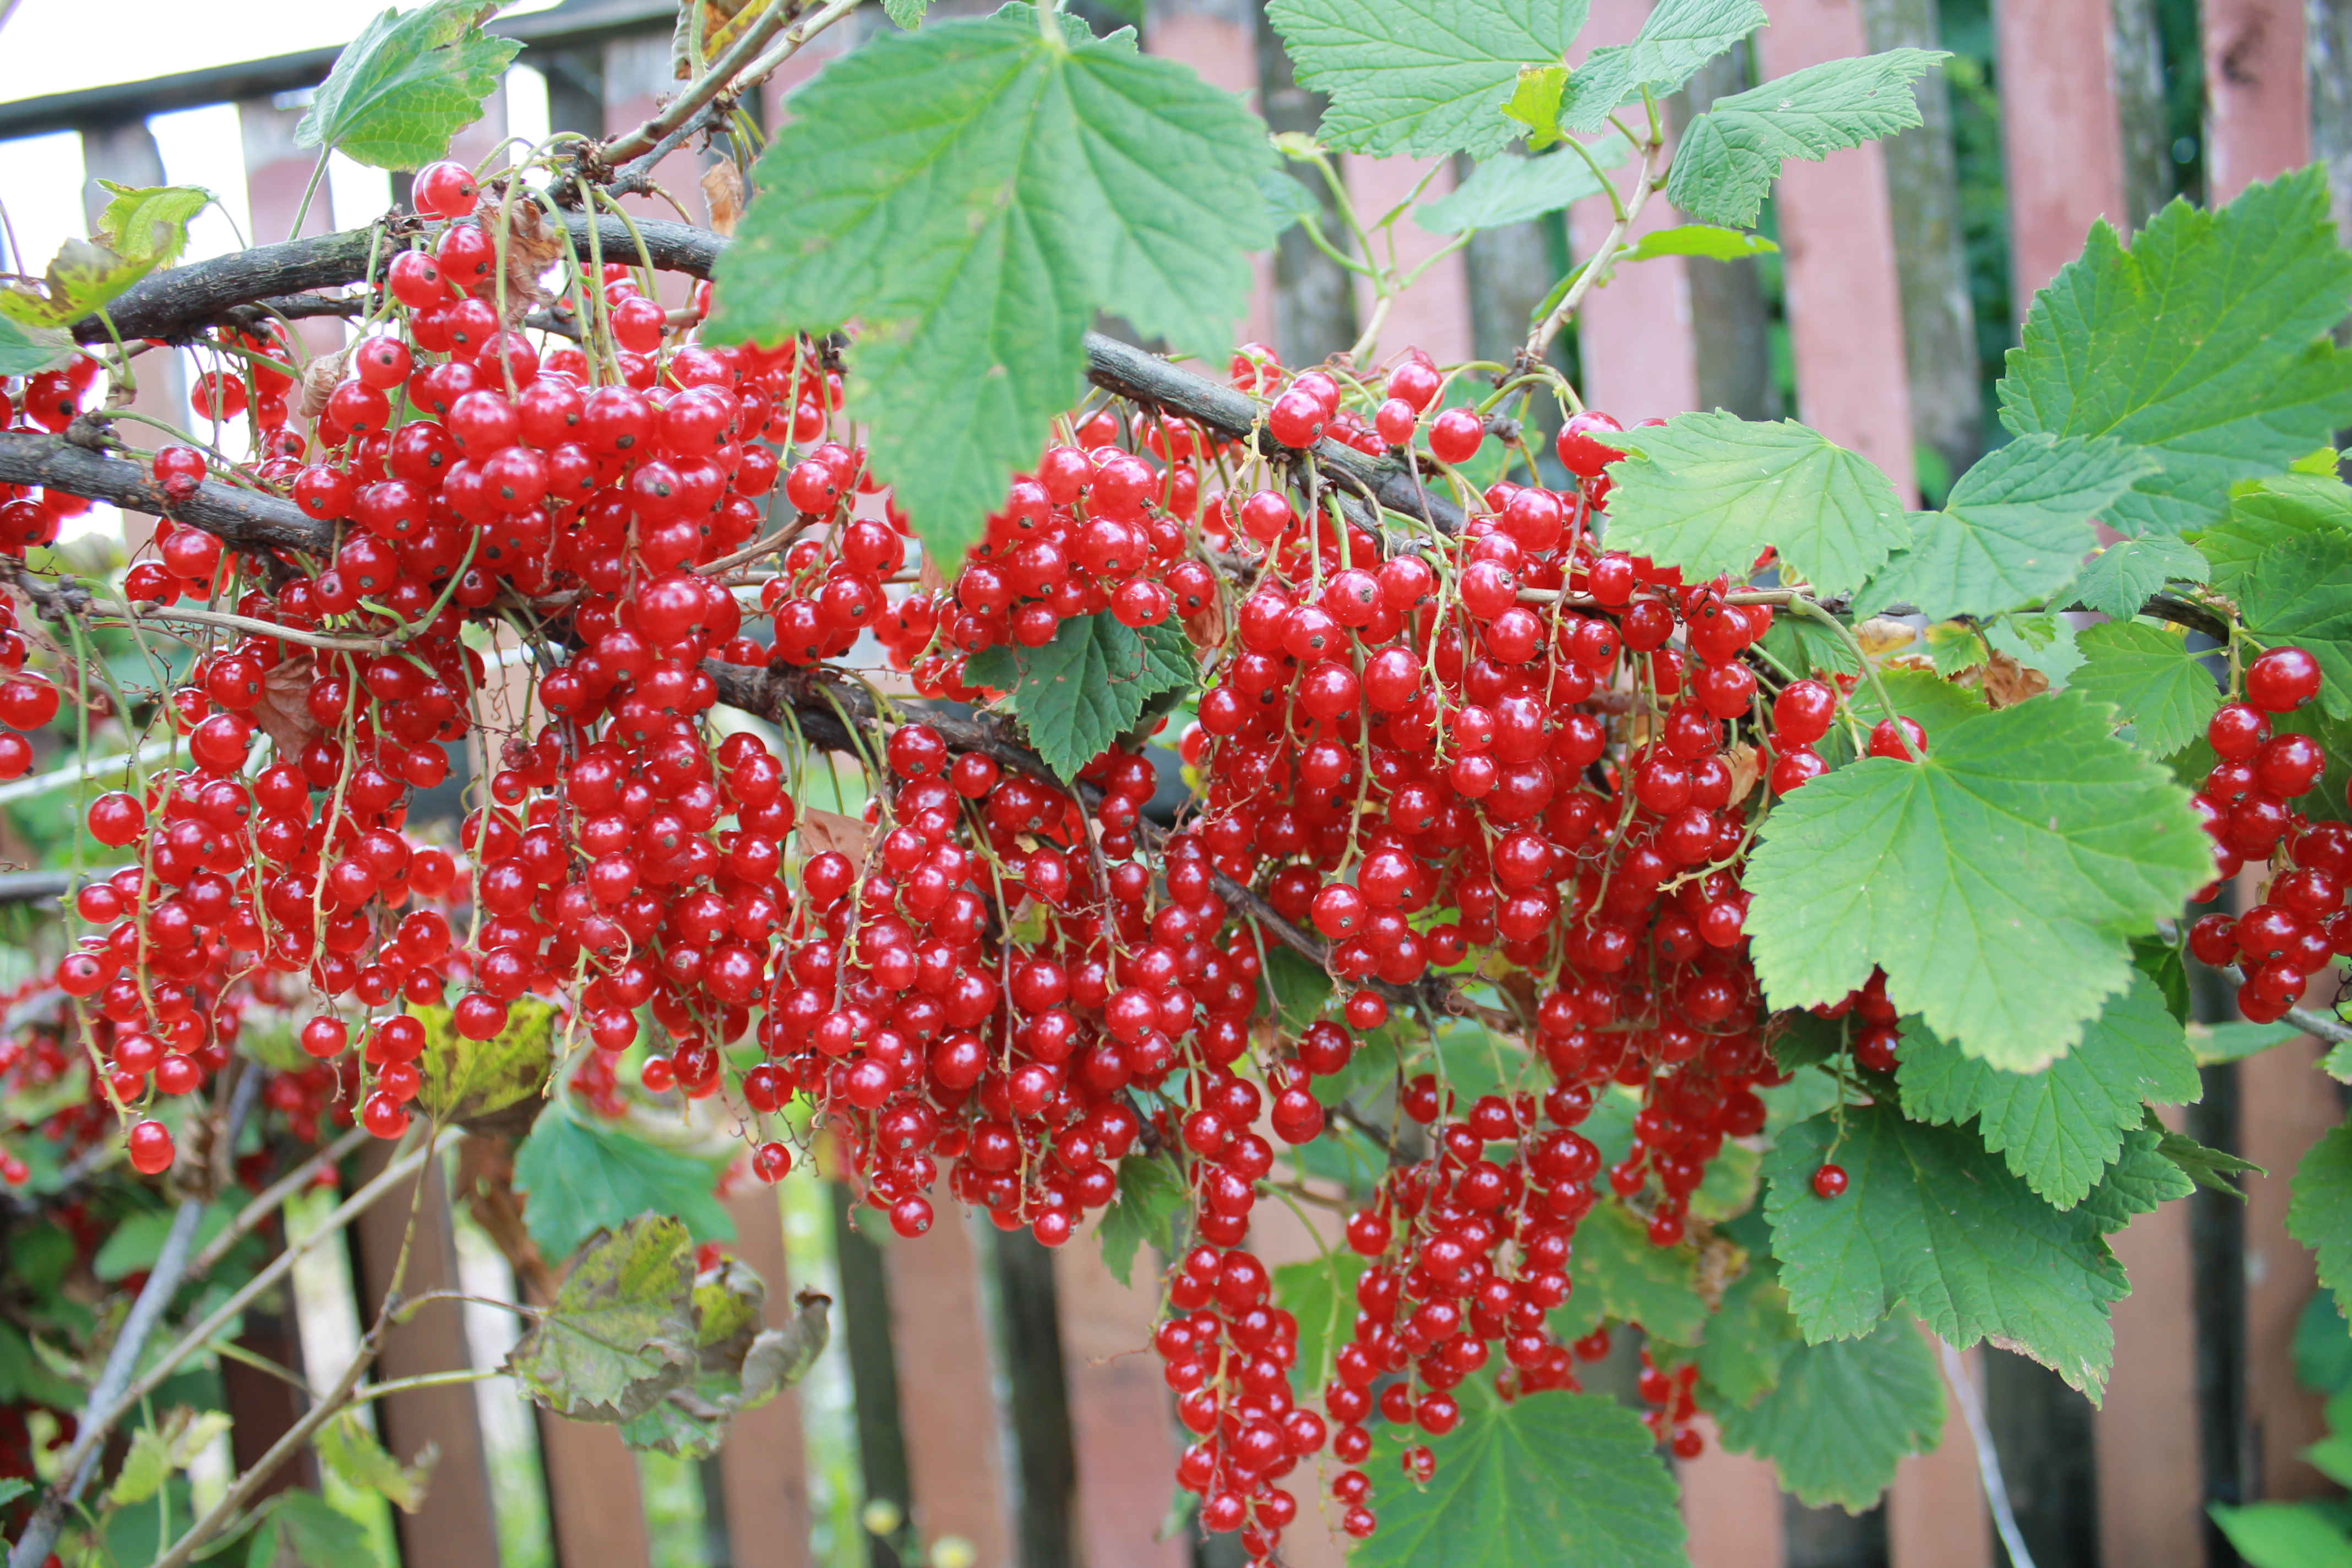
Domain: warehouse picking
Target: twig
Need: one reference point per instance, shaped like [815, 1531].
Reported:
[702, 91]
[2004, 1518]
[2335, 1031]
[1611, 244]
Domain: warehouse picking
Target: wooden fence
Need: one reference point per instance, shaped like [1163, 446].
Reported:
[1003, 1395]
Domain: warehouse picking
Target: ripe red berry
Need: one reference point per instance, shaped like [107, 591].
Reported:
[2282, 680]
[1830, 1181]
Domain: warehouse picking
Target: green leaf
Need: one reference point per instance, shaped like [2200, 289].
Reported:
[1150, 1191]
[1421, 77]
[12, 1488]
[1535, 103]
[2284, 1535]
[2119, 579]
[2301, 592]
[1709, 241]
[582, 1176]
[152, 220]
[1749, 1338]
[2015, 529]
[1287, 199]
[1730, 1187]
[2266, 513]
[1621, 1277]
[157, 1452]
[303, 1530]
[1554, 1481]
[621, 1332]
[1677, 39]
[468, 1081]
[1508, 188]
[134, 1245]
[1321, 1294]
[1956, 647]
[407, 84]
[2206, 341]
[2323, 1357]
[1087, 687]
[2320, 1214]
[2206, 1167]
[1995, 882]
[2218, 1042]
[739, 1364]
[2141, 1180]
[1712, 491]
[2156, 681]
[1296, 989]
[348, 1448]
[26, 351]
[1931, 1222]
[84, 278]
[972, 196]
[1731, 156]
[2062, 1126]
[906, 13]
[2161, 963]
[1805, 647]
[1843, 1414]
[2045, 642]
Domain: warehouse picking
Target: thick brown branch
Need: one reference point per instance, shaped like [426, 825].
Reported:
[245, 519]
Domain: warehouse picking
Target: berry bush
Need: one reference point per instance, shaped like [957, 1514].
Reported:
[1646, 880]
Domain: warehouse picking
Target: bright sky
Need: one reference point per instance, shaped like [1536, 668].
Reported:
[45, 48]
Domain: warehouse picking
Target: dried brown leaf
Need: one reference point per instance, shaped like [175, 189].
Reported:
[830, 833]
[2007, 683]
[319, 381]
[532, 246]
[1746, 765]
[722, 187]
[284, 710]
[1882, 634]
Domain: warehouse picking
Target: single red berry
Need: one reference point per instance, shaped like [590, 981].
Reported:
[1829, 1182]
[2282, 680]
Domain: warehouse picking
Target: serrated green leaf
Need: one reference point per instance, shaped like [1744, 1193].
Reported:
[1508, 188]
[1287, 199]
[2218, 1042]
[1843, 1414]
[2141, 1180]
[1805, 647]
[348, 1448]
[581, 1177]
[12, 1488]
[1731, 156]
[1295, 990]
[407, 84]
[1677, 39]
[1710, 242]
[1498, 1498]
[1535, 103]
[2120, 578]
[2045, 642]
[2210, 1168]
[2061, 1127]
[27, 350]
[2320, 1214]
[1621, 1277]
[1150, 1191]
[1729, 1189]
[1087, 687]
[2300, 593]
[303, 1530]
[2284, 1535]
[1712, 491]
[152, 220]
[1321, 1294]
[84, 278]
[2206, 340]
[1421, 77]
[2157, 683]
[2016, 529]
[2265, 513]
[739, 1364]
[157, 1452]
[620, 1335]
[1956, 647]
[1996, 881]
[971, 196]
[2160, 962]
[906, 13]
[1932, 1224]
[1749, 1338]
[467, 1081]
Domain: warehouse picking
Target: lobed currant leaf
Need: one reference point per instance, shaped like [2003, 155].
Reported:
[1932, 1224]
[621, 1332]
[2204, 341]
[970, 196]
[296, 1526]
[1749, 1338]
[1321, 1294]
[466, 1080]
[2141, 1180]
[1421, 77]
[1621, 1278]
[2157, 683]
[1676, 37]
[153, 220]
[1995, 882]
[1843, 1414]
[1713, 491]
[1508, 188]
[583, 1177]
[1729, 156]
[1498, 1500]
[2122, 577]
[2062, 1126]
[1150, 1191]
[1087, 687]
[408, 83]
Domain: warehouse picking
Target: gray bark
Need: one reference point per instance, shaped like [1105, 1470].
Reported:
[1314, 297]
[1728, 316]
[2137, 49]
[1939, 333]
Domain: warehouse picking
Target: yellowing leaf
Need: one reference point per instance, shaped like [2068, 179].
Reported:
[85, 277]
[150, 220]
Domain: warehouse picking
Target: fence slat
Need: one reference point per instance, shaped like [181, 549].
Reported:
[947, 1397]
[262, 1407]
[2150, 1475]
[1434, 315]
[2065, 162]
[2285, 1106]
[1731, 1505]
[2257, 101]
[456, 1528]
[1845, 310]
[763, 1468]
[596, 1501]
[1120, 1413]
[1936, 1515]
[1635, 335]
